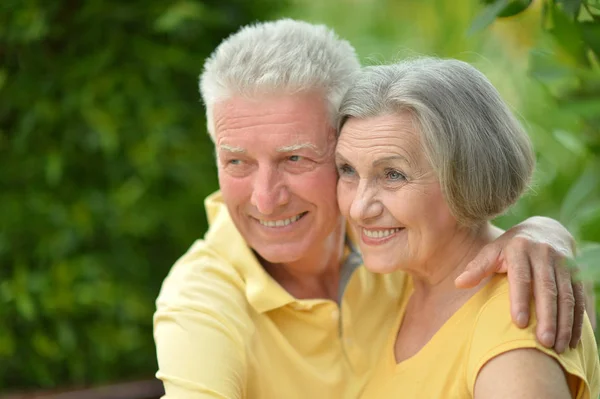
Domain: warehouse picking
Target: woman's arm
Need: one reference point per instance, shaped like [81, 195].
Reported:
[523, 373]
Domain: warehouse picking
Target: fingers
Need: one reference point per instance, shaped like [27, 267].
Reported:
[484, 264]
[579, 313]
[519, 282]
[546, 295]
[566, 307]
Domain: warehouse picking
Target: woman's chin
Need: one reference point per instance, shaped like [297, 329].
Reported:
[380, 266]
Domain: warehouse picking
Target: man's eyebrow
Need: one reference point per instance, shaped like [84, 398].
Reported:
[231, 148]
[299, 146]
[391, 158]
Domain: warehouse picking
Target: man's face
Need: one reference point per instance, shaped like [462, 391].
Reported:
[277, 172]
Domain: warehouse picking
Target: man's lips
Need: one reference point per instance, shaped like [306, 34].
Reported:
[281, 222]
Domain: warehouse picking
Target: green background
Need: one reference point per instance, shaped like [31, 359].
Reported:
[105, 160]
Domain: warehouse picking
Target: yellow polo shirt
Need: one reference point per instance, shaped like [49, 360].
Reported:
[448, 365]
[225, 329]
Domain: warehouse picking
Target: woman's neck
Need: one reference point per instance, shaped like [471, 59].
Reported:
[434, 280]
[435, 298]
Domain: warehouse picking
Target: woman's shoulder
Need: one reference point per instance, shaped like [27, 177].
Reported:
[494, 333]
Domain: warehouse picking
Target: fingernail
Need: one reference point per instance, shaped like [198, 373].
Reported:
[522, 319]
[548, 339]
[573, 344]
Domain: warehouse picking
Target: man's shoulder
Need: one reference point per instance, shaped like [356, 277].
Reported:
[197, 273]
[221, 256]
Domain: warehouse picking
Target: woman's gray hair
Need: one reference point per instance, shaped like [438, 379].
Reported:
[481, 154]
[284, 56]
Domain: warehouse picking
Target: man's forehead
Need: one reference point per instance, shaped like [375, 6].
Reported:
[242, 122]
[283, 101]
[298, 108]
[282, 146]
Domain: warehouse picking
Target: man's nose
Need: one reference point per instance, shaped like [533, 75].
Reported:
[269, 190]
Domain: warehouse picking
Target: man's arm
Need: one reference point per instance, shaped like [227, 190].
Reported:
[534, 255]
[200, 328]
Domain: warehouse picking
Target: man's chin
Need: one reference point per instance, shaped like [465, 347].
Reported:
[280, 253]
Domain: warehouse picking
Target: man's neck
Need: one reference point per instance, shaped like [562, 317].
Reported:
[316, 275]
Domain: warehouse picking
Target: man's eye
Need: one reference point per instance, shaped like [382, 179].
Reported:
[234, 162]
[294, 158]
[392, 174]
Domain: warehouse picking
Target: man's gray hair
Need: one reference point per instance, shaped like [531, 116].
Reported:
[281, 57]
[481, 154]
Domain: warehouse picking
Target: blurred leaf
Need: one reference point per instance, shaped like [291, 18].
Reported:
[66, 336]
[487, 16]
[177, 13]
[514, 7]
[29, 24]
[568, 36]
[585, 107]
[129, 192]
[580, 191]
[7, 343]
[590, 32]
[570, 141]
[45, 346]
[53, 168]
[590, 211]
[545, 67]
[105, 126]
[3, 77]
[588, 260]
[571, 7]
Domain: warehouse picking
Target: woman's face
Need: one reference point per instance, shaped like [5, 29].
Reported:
[390, 195]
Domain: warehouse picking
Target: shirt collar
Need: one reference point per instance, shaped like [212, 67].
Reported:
[262, 291]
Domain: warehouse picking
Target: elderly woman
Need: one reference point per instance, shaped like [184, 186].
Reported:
[428, 154]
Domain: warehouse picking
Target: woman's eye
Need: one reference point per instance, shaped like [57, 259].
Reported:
[345, 169]
[392, 174]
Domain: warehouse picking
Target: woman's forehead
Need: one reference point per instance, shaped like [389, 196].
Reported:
[388, 133]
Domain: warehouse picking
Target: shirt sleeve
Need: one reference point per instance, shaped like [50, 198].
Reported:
[494, 333]
[201, 326]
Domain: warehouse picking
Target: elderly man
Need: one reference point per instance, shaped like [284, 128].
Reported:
[273, 302]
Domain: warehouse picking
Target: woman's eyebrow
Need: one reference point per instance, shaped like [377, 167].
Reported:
[396, 157]
[339, 157]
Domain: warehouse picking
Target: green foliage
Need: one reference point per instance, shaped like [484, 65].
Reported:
[498, 9]
[105, 165]
[566, 62]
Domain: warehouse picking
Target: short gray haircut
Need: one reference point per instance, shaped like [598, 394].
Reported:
[479, 151]
[281, 57]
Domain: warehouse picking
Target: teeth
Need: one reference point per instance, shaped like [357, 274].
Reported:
[279, 223]
[379, 233]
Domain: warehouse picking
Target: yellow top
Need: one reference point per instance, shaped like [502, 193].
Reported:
[225, 329]
[448, 365]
